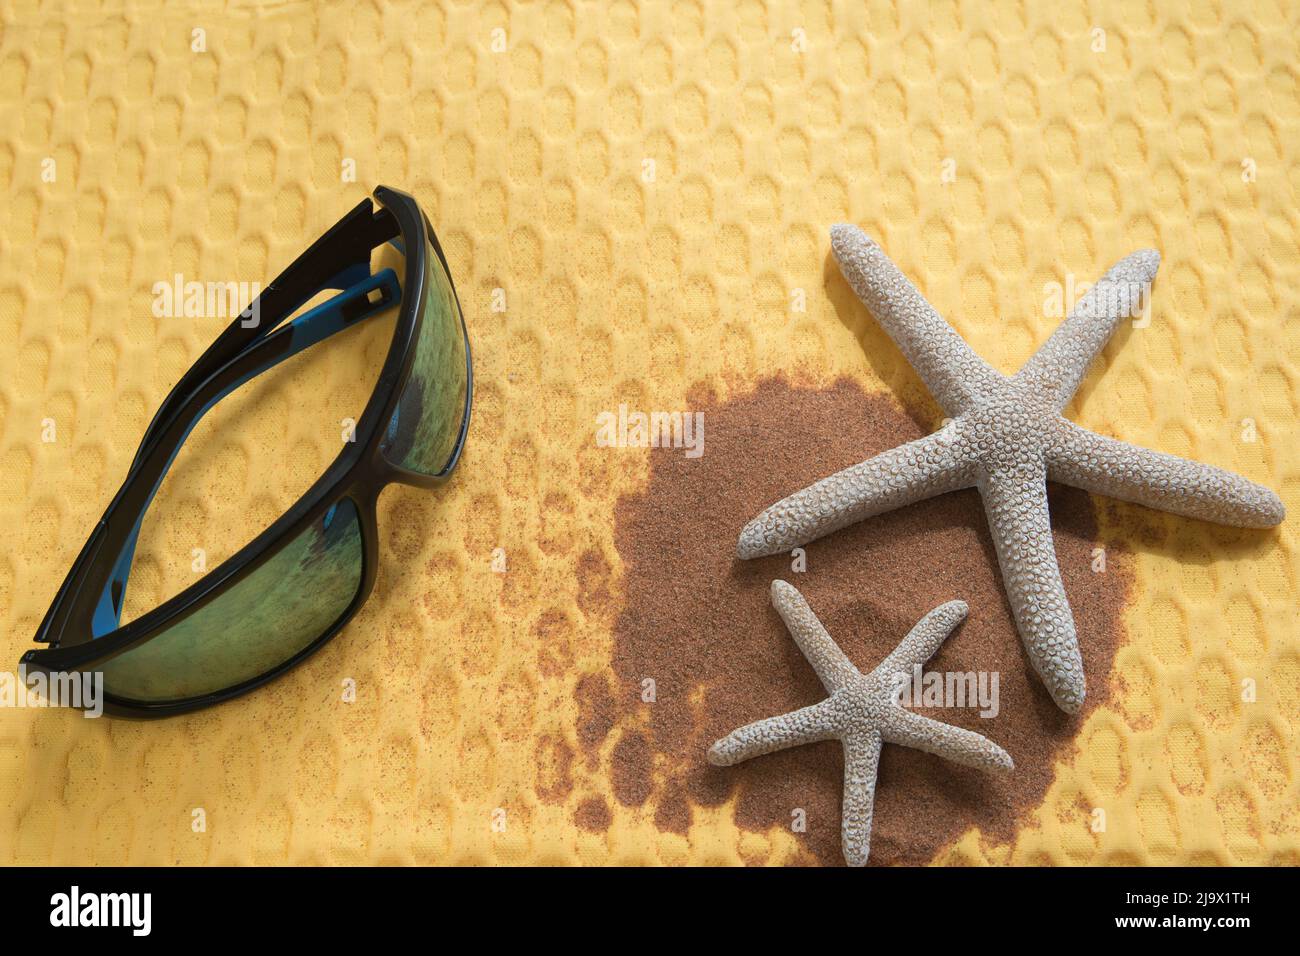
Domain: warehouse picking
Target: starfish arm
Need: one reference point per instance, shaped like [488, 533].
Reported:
[861, 762]
[923, 640]
[832, 666]
[1111, 467]
[952, 743]
[1016, 504]
[804, 726]
[952, 372]
[920, 469]
[1057, 368]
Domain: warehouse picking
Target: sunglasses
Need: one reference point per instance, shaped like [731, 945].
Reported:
[295, 585]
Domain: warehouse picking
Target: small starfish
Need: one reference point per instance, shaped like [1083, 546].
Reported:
[862, 712]
[1007, 438]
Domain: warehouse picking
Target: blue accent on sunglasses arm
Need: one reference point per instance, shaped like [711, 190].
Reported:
[369, 296]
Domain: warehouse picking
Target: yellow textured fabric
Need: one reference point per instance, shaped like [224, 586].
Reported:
[648, 185]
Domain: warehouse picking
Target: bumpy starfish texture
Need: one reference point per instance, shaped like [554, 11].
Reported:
[1007, 437]
[862, 712]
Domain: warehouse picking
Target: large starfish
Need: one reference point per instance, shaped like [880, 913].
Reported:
[862, 712]
[1007, 438]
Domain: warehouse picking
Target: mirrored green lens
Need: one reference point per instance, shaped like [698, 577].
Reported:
[276, 611]
[424, 429]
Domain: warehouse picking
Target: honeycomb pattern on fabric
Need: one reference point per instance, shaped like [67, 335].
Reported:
[649, 185]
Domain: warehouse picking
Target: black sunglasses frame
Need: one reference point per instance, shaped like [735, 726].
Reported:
[359, 473]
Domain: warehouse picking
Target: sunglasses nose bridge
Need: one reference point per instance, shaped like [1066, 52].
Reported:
[365, 493]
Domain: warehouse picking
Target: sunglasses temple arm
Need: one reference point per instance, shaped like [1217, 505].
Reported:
[337, 260]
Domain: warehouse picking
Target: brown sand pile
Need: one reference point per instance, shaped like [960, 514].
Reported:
[699, 623]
